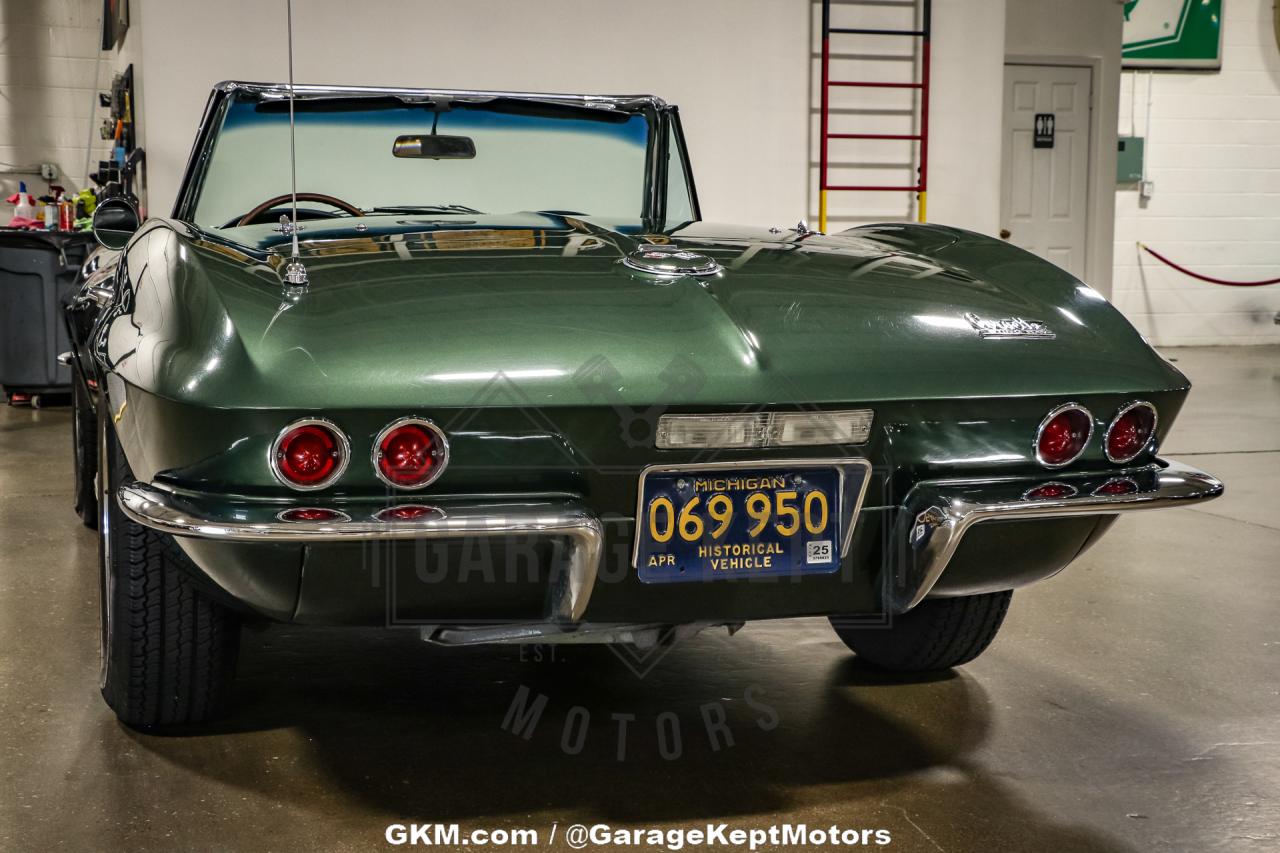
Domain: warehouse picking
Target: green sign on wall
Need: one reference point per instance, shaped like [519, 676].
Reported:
[1173, 34]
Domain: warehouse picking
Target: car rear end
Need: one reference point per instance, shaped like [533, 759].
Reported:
[626, 515]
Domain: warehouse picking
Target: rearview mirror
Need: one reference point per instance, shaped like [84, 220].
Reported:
[114, 222]
[434, 147]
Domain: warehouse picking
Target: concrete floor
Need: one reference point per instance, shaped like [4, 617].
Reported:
[1132, 703]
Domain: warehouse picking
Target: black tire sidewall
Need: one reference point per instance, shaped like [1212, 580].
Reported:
[117, 534]
[152, 615]
[936, 635]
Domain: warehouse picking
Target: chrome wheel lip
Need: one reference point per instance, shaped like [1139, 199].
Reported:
[77, 438]
[77, 442]
[106, 577]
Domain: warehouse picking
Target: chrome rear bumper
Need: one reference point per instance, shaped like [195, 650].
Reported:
[937, 514]
[931, 522]
[259, 521]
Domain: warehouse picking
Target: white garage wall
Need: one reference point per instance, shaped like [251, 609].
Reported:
[1213, 151]
[49, 59]
[966, 107]
[1064, 32]
[739, 69]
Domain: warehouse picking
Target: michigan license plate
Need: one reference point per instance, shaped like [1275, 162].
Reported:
[739, 522]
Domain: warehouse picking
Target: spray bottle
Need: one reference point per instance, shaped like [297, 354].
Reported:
[26, 208]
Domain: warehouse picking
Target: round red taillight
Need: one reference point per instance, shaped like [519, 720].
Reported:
[408, 512]
[1130, 432]
[309, 454]
[410, 453]
[312, 513]
[1063, 434]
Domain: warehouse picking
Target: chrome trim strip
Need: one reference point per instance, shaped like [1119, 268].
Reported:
[568, 594]
[343, 442]
[376, 453]
[311, 90]
[849, 509]
[1148, 445]
[937, 515]
[641, 635]
[1053, 413]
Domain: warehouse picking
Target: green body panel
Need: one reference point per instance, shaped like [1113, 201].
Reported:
[430, 317]
[537, 350]
[547, 363]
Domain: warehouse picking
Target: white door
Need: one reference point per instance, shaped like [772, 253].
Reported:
[1045, 189]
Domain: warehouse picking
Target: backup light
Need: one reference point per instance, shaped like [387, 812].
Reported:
[309, 454]
[790, 429]
[680, 432]
[1130, 432]
[764, 429]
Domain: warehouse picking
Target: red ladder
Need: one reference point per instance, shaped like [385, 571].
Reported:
[920, 187]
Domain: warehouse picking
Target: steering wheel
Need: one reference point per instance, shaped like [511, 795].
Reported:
[332, 201]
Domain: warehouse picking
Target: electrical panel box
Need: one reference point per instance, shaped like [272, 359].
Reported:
[1129, 159]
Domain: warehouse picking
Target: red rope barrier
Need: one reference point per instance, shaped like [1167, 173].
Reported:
[1150, 251]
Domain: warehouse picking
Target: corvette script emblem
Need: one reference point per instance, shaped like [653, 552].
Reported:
[1009, 328]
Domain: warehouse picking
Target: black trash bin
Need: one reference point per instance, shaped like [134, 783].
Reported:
[38, 272]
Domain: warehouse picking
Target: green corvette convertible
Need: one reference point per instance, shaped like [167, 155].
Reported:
[509, 387]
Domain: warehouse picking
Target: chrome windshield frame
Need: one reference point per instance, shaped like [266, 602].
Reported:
[661, 116]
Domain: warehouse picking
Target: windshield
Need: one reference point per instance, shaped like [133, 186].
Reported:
[515, 155]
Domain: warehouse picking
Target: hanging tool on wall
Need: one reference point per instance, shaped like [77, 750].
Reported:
[121, 174]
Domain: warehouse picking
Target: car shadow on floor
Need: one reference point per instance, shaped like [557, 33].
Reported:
[720, 728]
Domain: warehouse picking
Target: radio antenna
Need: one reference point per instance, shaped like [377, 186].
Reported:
[295, 274]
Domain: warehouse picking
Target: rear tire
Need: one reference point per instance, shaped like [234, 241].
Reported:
[938, 634]
[84, 445]
[168, 652]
